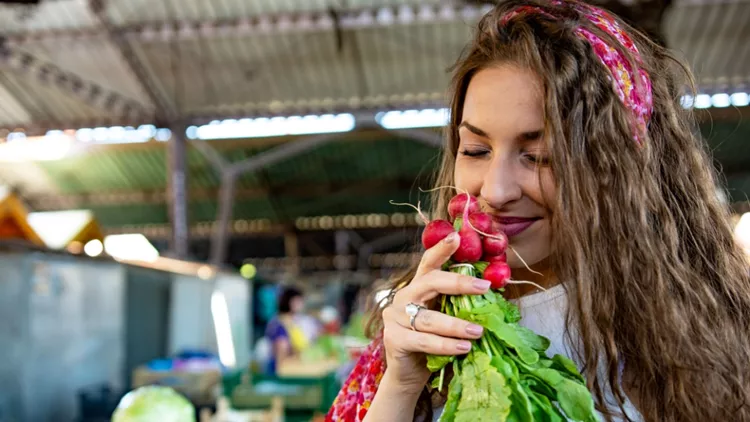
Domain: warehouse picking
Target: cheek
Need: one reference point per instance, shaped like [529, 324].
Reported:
[468, 176]
[548, 188]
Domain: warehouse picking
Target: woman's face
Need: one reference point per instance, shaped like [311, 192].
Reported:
[297, 304]
[502, 158]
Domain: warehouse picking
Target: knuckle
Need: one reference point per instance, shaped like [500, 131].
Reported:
[423, 343]
[457, 327]
[447, 345]
[426, 319]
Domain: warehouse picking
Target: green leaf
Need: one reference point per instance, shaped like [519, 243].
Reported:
[486, 393]
[532, 339]
[436, 362]
[457, 223]
[538, 386]
[543, 410]
[510, 310]
[451, 404]
[507, 334]
[521, 405]
[563, 364]
[574, 399]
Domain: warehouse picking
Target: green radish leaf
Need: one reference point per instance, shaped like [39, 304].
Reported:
[436, 362]
[451, 404]
[512, 366]
[574, 399]
[457, 223]
[565, 365]
[543, 410]
[509, 336]
[485, 391]
[521, 404]
[510, 310]
[532, 339]
[538, 386]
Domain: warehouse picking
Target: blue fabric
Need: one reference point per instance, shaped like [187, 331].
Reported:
[275, 330]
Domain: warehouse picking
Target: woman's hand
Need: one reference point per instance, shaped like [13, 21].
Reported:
[436, 333]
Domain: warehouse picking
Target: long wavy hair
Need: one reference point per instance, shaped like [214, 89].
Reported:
[640, 238]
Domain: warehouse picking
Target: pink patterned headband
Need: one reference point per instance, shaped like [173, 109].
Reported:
[640, 102]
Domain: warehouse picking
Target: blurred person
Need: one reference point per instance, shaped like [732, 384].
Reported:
[567, 125]
[291, 331]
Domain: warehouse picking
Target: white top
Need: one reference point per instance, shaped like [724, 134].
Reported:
[544, 313]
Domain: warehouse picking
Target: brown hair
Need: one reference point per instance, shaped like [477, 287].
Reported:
[641, 239]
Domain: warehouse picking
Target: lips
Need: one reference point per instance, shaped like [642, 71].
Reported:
[513, 226]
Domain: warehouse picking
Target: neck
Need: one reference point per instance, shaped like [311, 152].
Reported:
[540, 273]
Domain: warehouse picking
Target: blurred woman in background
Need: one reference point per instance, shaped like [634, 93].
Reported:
[288, 333]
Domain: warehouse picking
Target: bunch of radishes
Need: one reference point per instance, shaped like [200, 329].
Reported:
[481, 238]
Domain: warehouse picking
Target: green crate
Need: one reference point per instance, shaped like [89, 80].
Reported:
[254, 391]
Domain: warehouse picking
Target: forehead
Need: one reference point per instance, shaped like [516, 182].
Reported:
[504, 98]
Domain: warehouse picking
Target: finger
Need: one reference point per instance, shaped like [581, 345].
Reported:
[436, 256]
[414, 341]
[442, 282]
[438, 323]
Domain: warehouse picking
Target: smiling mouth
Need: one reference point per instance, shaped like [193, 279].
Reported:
[513, 226]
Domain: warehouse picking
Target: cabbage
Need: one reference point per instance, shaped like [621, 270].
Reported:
[154, 404]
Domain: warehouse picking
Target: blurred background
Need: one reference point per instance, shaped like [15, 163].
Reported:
[170, 167]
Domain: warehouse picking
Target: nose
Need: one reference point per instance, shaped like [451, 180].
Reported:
[501, 185]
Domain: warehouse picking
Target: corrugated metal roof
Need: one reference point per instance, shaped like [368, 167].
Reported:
[48, 15]
[226, 72]
[106, 68]
[45, 102]
[715, 39]
[125, 12]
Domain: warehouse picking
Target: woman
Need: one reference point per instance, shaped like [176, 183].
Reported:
[567, 125]
[286, 332]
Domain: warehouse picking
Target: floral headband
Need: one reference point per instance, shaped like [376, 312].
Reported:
[639, 102]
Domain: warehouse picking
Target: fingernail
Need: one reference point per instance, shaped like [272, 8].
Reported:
[451, 237]
[474, 330]
[481, 285]
[463, 346]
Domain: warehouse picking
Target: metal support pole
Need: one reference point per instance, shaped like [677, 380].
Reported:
[224, 216]
[291, 249]
[178, 200]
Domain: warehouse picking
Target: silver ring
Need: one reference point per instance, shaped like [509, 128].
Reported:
[412, 309]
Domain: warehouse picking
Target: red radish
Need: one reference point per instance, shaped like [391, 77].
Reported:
[457, 205]
[435, 231]
[481, 221]
[495, 245]
[470, 249]
[495, 258]
[498, 274]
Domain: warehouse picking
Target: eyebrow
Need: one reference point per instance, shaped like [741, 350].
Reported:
[473, 129]
[531, 135]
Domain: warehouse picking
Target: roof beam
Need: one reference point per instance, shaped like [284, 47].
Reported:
[368, 17]
[165, 109]
[90, 92]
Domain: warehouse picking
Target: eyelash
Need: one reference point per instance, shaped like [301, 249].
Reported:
[532, 159]
[474, 153]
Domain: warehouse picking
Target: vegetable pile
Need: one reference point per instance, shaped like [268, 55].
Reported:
[507, 375]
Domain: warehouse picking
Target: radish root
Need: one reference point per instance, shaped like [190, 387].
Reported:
[527, 282]
[417, 208]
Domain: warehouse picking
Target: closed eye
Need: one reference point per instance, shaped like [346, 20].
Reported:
[474, 152]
